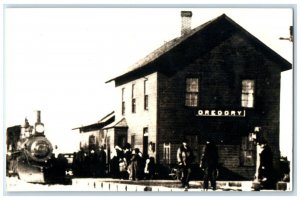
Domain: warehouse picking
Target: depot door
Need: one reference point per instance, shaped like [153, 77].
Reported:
[145, 141]
[121, 137]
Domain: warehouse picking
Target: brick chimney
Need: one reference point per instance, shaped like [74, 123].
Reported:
[186, 17]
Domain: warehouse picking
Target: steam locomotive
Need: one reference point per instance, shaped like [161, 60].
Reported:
[30, 154]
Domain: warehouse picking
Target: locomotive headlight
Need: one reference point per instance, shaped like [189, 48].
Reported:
[39, 128]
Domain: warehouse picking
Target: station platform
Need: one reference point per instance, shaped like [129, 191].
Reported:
[99, 185]
[159, 185]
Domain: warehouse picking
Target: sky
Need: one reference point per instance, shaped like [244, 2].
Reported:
[57, 60]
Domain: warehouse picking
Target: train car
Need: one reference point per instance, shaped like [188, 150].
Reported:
[30, 154]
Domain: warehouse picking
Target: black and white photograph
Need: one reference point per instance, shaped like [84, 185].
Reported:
[148, 99]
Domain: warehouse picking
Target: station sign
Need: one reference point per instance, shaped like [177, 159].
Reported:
[220, 113]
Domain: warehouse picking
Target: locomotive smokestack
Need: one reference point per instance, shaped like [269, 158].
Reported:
[38, 117]
[39, 126]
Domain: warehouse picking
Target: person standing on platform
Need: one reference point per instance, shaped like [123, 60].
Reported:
[127, 157]
[136, 165]
[265, 170]
[102, 162]
[150, 162]
[184, 159]
[209, 163]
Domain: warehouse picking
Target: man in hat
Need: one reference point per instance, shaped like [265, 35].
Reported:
[185, 158]
[265, 170]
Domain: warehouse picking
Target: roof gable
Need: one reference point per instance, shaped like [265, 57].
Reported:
[180, 51]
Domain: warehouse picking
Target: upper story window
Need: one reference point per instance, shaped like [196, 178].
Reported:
[133, 99]
[123, 101]
[146, 97]
[192, 92]
[248, 89]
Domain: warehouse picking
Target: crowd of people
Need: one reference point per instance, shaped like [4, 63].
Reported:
[131, 164]
[124, 163]
[56, 170]
[89, 164]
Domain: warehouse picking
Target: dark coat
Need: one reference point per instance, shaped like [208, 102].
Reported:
[266, 162]
[210, 156]
[136, 166]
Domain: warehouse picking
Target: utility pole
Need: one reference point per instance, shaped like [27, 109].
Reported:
[291, 38]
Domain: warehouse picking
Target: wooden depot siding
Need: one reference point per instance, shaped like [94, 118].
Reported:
[221, 72]
[141, 118]
[221, 54]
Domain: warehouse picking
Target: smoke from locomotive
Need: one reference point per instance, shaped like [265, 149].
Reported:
[30, 154]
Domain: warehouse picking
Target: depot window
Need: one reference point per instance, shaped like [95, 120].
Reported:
[123, 101]
[248, 153]
[146, 97]
[192, 92]
[133, 99]
[167, 153]
[248, 89]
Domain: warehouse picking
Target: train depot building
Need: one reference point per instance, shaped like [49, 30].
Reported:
[216, 81]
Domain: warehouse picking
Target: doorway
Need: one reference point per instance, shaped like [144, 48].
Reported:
[145, 141]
